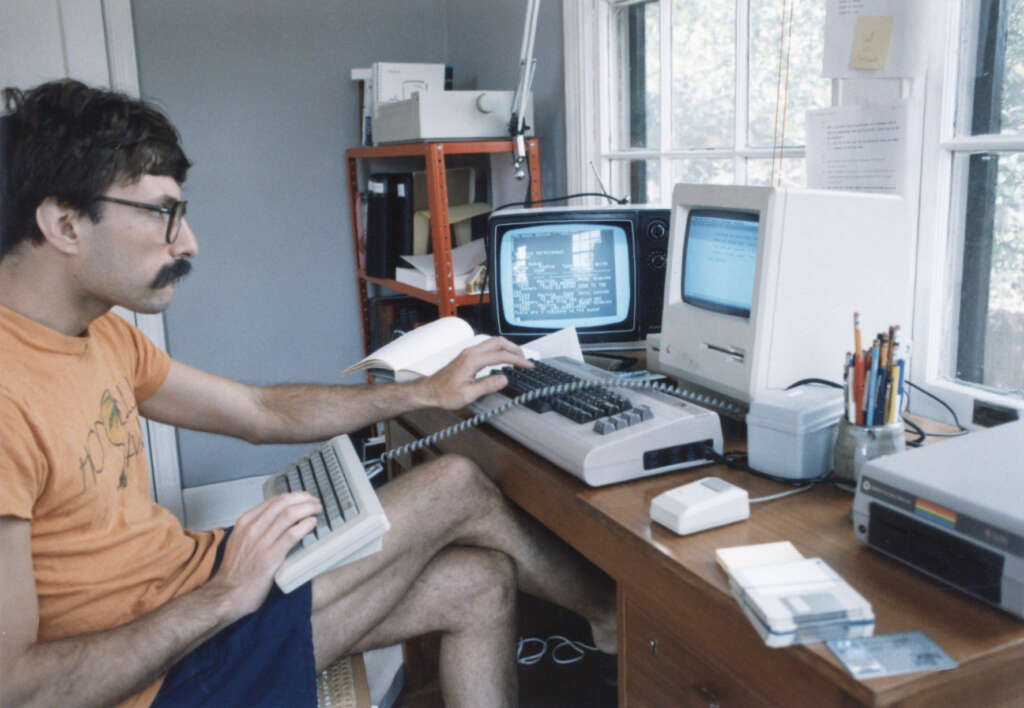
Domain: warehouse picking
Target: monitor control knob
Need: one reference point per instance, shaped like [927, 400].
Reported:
[657, 260]
[657, 230]
[485, 103]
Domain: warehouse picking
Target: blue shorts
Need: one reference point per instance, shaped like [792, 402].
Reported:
[263, 659]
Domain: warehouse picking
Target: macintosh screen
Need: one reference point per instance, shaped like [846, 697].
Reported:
[719, 260]
[556, 275]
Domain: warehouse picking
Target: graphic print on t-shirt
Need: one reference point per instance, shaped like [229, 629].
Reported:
[114, 439]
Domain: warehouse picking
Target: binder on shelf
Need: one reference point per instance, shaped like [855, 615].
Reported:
[399, 219]
[388, 222]
[377, 226]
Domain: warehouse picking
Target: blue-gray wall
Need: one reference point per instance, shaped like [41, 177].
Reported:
[262, 95]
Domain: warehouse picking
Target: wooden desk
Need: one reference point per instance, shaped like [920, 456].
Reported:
[682, 638]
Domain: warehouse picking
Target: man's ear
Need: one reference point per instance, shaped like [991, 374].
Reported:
[58, 223]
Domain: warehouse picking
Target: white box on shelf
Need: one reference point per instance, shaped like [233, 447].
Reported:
[447, 115]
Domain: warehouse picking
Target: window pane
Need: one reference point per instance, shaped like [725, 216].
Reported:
[703, 171]
[1013, 87]
[997, 103]
[793, 170]
[990, 337]
[703, 73]
[806, 87]
[640, 178]
[641, 84]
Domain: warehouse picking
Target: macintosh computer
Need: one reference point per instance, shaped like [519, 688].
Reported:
[761, 283]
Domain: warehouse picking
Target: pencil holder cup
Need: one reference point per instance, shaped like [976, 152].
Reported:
[856, 444]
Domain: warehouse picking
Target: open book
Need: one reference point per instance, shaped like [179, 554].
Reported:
[423, 351]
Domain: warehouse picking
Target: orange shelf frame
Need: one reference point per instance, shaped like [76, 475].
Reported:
[445, 297]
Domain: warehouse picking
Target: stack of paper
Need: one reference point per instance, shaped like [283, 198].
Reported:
[464, 260]
[794, 600]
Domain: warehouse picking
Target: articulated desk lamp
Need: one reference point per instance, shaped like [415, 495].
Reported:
[521, 98]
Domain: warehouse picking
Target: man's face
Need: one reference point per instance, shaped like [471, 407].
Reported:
[125, 258]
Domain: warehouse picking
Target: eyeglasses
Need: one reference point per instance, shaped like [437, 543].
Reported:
[175, 213]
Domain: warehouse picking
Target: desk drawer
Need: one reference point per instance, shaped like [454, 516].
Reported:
[661, 671]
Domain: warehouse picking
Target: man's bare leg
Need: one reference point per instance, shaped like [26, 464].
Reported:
[448, 501]
[468, 594]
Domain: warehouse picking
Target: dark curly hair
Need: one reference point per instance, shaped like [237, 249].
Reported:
[66, 140]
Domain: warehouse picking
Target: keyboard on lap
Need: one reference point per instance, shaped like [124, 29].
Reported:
[352, 522]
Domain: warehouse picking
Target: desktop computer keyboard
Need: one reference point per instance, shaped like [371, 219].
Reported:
[352, 522]
[602, 435]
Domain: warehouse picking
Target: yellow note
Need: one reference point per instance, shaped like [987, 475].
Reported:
[871, 39]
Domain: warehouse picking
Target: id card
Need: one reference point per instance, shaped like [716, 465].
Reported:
[890, 654]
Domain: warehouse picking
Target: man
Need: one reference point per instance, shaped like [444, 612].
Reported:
[104, 598]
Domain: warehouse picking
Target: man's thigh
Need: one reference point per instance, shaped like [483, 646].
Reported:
[425, 508]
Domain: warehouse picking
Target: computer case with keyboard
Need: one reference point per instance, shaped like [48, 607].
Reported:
[604, 437]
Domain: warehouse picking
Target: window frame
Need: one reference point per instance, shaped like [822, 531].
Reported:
[942, 200]
[931, 180]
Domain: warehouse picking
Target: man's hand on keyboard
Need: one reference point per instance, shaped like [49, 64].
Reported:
[257, 547]
[456, 385]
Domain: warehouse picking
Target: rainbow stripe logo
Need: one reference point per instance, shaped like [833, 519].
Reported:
[934, 512]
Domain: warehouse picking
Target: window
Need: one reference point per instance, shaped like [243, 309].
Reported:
[986, 223]
[694, 88]
[969, 303]
[665, 91]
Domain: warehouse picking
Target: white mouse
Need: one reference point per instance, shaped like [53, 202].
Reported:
[700, 505]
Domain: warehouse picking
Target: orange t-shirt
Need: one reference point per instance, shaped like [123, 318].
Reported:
[72, 462]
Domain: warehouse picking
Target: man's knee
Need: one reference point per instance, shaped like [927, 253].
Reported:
[484, 586]
[465, 482]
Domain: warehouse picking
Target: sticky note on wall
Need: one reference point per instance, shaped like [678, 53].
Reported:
[871, 39]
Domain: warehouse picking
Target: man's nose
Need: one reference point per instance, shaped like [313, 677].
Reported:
[186, 245]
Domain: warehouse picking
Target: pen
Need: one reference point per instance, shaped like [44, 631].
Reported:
[902, 366]
[869, 415]
[882, 399]
[890, 393]
[858, 373]
[848, 399]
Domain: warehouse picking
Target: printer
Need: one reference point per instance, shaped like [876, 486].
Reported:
[954, 511]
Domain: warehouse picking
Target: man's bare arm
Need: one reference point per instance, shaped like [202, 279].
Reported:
[109, 666]
[307, 412]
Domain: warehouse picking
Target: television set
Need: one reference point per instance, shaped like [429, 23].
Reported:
[600, 270]
[762, 283]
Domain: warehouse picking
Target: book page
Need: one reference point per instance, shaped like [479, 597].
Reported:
[436, 361]
[422, 342]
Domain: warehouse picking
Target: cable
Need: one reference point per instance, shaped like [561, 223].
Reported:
[917, 430]
[579, 650]
[738, 461]
[944, 405]
[804, 382]
[617, 200]
[780, 495]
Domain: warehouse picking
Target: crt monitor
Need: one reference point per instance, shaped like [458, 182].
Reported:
[600, 270]
[761, 285]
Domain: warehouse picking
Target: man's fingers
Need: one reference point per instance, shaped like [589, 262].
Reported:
[485, 386]
[264, 522]
[499, 344]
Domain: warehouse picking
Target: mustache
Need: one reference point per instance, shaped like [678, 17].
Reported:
[170, 273]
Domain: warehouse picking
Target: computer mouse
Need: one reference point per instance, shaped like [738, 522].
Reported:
[703, 504]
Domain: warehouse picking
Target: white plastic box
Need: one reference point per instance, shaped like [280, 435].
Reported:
[792, 433]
